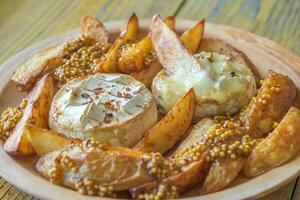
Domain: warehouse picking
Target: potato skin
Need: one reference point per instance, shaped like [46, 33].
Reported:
[260, 116]
[223, 171]
[36, 112]
[280, 146]
[170, 129]
[119, 167]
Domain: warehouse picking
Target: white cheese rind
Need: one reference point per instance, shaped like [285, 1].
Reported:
[113, 108]
[221, 86]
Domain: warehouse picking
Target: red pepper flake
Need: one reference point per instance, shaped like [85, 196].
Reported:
[98, 90]
[108, 117]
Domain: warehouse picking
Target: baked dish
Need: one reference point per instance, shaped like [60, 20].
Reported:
[149, 118]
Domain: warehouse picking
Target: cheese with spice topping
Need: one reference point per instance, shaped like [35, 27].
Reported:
[113, 108]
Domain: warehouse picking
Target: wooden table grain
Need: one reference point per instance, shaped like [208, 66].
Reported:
[25, 22]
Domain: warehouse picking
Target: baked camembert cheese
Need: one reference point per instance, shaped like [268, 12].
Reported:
[112, 108]
[220, 85]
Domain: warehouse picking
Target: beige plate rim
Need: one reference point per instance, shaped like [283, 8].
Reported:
[29, 182]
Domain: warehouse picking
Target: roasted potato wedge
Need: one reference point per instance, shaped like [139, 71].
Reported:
[280, 146]
[191, 40]
[192, 37]
[118, 167]
[92, 28]
[221, 174]
[273, 100]
[45, 141]
[46, 61]
[36, 112]
[110, 60]
[133, 59]
[27, 74]
[173, 56]
[191, 174]
[185, 180]
[164, 135]
[261, 115]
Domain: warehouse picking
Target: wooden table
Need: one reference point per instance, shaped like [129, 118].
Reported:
[25, 22]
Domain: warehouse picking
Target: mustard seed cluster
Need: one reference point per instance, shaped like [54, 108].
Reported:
[159, 167]
[9, 119]
[79, 58]
[89, 187]
[162, 192]
[150, 58]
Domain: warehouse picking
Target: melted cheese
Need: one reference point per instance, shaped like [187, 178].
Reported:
[85, 107]
[226, 85]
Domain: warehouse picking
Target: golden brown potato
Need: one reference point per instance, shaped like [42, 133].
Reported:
[28, 73]
[45, 141]
[132, 59]
[280, 146]
[185, 180]
[164, 135]
[191, 40]
[192, 173]
[46, 61]
[92, 28]
[110, 61]
[192, 37]
[101, 164]
[221, 174]
[36, 113]
[259, 117]
[273, 100]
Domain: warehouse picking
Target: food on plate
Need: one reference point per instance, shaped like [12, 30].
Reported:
[221, 85]
[92, 121]
[112, 108]
[45, 141]
[193, 163]
[110, 61]
[164, 135]
[190, 38]
[75, 58]
[35, 112]
[274, 98]
[268, 106]
[278, 147]
[129, 55]
[91, 166]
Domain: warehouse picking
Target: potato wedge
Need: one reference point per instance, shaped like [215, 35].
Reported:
[273, 100]
[118, 167]
[191, 174]
[261, 117]
[132, 60]
[110, 61]
[191, 40]
[45, 141]
[185, 180]
[36, 112]
[92, 28]
[221, 174]
[27, 74]
[192, 37]
[164, 135]
[280, 146]
[173, 56]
